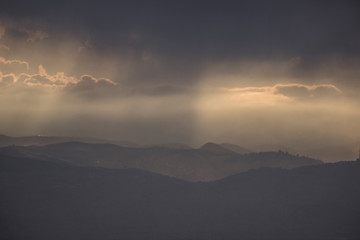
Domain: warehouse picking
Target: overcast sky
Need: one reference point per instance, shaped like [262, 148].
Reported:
[247, 72]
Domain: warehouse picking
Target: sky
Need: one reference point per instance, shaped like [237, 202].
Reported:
[247, 72]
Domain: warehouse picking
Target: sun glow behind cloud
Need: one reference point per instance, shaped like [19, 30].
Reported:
[72, 87]
[292, 114]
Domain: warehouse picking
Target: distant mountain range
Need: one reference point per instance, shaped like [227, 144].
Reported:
[325, 153]
[209, 162]
[46, 140]
[58, 200]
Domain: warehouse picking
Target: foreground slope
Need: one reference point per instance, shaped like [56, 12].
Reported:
[53, 200]
[210, 162]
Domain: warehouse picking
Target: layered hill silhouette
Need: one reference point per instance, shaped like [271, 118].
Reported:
[235, 148]
[46, 140]
[58, 200]
[325, 153]
[208, 163]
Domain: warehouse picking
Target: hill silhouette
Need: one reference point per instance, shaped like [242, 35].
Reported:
[208, 163]
[235, 148]
[215, 148]
[57, 200]
[46, 140]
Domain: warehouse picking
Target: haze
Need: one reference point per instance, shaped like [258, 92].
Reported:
[156, 72]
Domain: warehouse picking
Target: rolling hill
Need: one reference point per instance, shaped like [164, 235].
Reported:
[208, 163]
[57, 200]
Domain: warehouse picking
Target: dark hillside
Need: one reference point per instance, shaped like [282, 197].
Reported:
[210, 162]
[52, 200]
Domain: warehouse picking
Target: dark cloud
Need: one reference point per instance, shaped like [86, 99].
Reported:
[43, 80]
[90, 87]
[229, 29]
[88, 82]
[170, 42]
[20, 29]
[300, 91]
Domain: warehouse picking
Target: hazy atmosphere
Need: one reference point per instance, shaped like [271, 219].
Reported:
[247, 72]
[180, 120]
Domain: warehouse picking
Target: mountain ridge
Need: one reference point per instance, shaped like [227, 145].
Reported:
[190, 164]
[50, 200]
